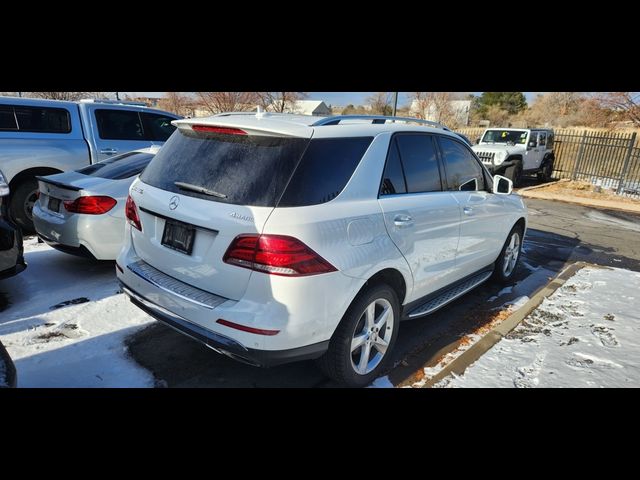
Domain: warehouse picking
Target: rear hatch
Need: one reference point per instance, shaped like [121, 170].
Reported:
[205, 187]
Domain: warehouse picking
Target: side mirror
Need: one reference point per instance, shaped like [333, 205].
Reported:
[533, 144]
[477, 141]
[502, 185]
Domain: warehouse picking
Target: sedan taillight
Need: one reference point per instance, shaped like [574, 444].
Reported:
[275, 255]
[90, 205]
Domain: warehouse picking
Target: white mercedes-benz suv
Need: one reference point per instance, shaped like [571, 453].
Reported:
[273, 238]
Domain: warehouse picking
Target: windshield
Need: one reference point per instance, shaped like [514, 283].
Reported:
[512, 137]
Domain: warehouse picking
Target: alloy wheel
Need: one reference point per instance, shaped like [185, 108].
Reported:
[371, 336]
[511, 254]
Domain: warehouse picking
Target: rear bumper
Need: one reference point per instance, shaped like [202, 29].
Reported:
[11, 249]
[80, 251]
[93, 236]
[220, 343]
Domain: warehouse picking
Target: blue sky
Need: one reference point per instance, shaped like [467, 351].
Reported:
[337, 98]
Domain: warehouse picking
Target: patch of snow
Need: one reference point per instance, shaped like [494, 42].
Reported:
[504, 291]
[586, 334]
[382, 382]
[67, 322]
[515, 304]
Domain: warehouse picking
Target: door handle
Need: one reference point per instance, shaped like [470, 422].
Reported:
[403, 221]
[468, 210]
[109, 151]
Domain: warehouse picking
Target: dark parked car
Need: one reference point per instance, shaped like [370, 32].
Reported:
[11, 250]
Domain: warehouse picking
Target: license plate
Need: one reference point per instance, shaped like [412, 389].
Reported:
[178, 236]
[54, 204]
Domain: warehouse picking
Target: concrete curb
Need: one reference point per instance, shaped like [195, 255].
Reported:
[460, 364]
[534, 187]
[584, 202]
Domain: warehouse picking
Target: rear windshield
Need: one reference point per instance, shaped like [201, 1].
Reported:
[120, 167]
[240, 169]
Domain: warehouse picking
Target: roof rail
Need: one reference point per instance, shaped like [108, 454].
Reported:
[336, 119]
[113, 102]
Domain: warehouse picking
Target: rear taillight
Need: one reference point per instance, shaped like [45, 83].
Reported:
[214, 129]
[276, 255]
[90, 205]
[131, 212]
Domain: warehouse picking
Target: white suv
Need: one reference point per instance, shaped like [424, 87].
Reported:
[275, 238]
[515, 152]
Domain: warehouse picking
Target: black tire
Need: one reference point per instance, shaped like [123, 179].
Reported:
[21, 204]
[338, 361]
[544, 175]
[514, 173]
[499, 273]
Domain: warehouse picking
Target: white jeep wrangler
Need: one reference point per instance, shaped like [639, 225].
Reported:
[514, 152]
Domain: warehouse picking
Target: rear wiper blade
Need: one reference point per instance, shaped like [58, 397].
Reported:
[196, 188]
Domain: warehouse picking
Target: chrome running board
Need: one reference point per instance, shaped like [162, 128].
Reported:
[449, 296]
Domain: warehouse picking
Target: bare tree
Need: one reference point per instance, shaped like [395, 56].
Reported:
[279, 101]
[69, 96]
[626, 105]
[218, 102]
[554, 108]
[435, 106]
[380, 103]
[176, 102]
[497, 116]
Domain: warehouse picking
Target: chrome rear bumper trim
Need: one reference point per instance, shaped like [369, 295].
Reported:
[174, 286]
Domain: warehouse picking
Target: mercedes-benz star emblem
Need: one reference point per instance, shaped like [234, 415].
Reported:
[174, 202]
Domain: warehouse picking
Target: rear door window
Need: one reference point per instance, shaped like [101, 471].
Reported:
[325, 169]
[7, 118]
[542, 139]
[118, 168]
[242, 169]
[35, 119]
[158, 127]
[420, 162]
[119, 125]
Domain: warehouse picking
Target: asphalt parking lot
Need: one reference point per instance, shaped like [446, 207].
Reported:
[558, 234]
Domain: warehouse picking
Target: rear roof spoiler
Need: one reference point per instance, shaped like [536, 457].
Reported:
[59, 184]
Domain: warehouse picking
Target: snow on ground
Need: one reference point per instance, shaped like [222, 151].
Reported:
[586, 334]
[539, 276]
[66, 323]
[381, 382]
